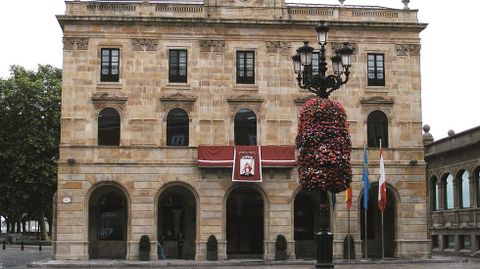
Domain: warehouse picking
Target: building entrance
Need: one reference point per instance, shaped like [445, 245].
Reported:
[374, 224]
[245, 224]
[107, 223]
[311, 210]
[177, 222]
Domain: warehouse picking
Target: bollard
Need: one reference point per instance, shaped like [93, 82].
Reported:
[21, 246]
[4, 245]
[40, 246]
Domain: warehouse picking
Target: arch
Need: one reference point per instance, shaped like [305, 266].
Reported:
[391, 225]
[177, 211]
[245, 127]
[448, 191]
[476, 180]
[463, 192]
[308, 216]
[108, 127]
[245, 206]
[177, 127]
[434, 193]
[377, 129]
[107, 220]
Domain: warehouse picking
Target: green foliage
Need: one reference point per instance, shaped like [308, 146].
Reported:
[281, 242]
[145, 243]
[30, 104]
[212, 243]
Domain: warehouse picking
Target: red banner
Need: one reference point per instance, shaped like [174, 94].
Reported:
[215, 156]
[247, 164]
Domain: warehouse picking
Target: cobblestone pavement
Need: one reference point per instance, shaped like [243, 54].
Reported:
[13, 257]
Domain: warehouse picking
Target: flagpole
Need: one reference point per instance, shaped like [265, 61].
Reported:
[366, 241]
[383, 246]
[348, 237]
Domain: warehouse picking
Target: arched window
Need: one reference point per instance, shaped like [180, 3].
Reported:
[177, 128]
[245, 128]
[377, 128]
[434, 194]
[449, 199]
[464, 191]
[108, 127]
[477, 182]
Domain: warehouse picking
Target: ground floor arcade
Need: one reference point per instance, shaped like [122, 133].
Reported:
[104, 217]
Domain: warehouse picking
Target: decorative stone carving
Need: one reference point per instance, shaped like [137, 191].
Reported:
[408, 49]
[142, 44]
[212, 45]
[336, 46]
[376, 102]
[242, 101]
[100, 99]
[70, 42]
[281, 47]
[178, 100]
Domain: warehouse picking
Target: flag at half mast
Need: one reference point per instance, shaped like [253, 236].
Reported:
[382, 183]
[366, 183]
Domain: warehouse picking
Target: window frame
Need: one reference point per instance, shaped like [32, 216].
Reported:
[372, 124]
[241, 73]
[375, 81]
[245, 133]
[109, 76]
[184, 141]
[102, 133]
[175, 67]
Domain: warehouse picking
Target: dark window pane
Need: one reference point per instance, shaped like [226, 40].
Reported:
[177, 66]
[303, 217]
[376, 71]
[108, 127]
[245, 67]
[177, 128]
[245, 128]
[110, 65]
[377, 129]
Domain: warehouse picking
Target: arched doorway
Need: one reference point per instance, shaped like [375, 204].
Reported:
[311, 211]
[374, 224]
[245, 223]
[177, 217]
[107, 223]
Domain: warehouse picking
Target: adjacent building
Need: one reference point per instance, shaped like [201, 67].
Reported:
[453, 173]
[158, 96]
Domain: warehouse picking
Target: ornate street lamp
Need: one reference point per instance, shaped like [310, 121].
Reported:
[318, 82]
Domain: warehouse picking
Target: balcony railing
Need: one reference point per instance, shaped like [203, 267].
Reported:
[291, 12]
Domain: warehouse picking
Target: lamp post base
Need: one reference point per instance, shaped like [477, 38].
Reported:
[324, 240]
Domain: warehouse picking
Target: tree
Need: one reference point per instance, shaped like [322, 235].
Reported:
[29, 138]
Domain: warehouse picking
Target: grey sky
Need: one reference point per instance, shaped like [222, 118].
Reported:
[31, 35]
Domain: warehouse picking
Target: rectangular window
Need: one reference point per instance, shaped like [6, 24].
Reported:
[449, 242]
[435, 242]
[177, 66]
[376, 70]
[465, 242]
[315, 63]
[110, 65]
[245, 67]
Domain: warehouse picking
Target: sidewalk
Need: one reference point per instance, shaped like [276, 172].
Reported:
[234, 263]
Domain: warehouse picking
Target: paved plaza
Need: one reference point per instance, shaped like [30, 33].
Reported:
[30, 257]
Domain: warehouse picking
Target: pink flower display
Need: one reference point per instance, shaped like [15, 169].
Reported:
[324, 143]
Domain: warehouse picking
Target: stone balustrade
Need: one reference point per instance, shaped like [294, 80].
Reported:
[293, 12]
[456, 218]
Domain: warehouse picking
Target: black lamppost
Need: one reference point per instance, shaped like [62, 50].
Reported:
[321, 84]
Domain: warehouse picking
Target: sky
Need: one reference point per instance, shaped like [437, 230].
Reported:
[31, 35]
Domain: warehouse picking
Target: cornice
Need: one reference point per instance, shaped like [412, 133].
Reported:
[153, 21]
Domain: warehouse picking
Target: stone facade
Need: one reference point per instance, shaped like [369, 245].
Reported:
[143, 168]
[453, 176]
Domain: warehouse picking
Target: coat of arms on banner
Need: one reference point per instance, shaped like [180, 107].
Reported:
[247, 165]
